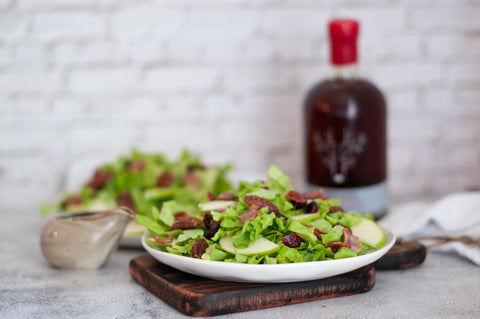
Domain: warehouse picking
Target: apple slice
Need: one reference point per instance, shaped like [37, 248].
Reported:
[216, 205]
[261, 246]
[369, 233]
[306, 217]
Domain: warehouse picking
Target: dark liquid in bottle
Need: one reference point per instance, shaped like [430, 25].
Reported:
[345, 126]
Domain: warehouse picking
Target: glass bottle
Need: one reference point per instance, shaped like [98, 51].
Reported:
[345, 130]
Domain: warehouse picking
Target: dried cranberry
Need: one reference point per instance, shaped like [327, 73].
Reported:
[292, 240]
[311, 208]
[211, 224]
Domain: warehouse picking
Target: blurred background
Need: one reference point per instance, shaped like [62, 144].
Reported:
[84, 81]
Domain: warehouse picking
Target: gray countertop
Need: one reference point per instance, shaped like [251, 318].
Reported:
[445, 286]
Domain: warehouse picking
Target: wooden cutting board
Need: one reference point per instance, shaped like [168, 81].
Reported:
[197, 296]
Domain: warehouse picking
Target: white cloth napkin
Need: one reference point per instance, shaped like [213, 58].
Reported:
[454, 215]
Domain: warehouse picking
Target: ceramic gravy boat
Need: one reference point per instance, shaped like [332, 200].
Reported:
[84, 240]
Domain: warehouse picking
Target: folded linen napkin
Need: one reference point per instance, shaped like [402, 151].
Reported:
[455, 215]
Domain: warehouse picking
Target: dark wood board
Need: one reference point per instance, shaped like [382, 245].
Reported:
[197, 296]
[404, 254]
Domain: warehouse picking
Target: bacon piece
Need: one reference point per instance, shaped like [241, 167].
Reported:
[185, 221]
[191, 179]
[334, 209]
[211, 224]
[250, 213]
[137, 165]
[315, 194]
[262, 202]
[350, 241]
[292, 240]
[99, 179]
[199, 247]
[125, 199]
[226, 196]
[165, 180]
[296, 199]
[160, 240]
[317, 232]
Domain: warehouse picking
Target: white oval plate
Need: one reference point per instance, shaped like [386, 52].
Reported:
[268, 273]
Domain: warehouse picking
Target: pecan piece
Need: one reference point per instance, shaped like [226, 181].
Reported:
[99, 179]
[165, 180]
[72, 200]
[137, 165]
[211, 196]
[125, 199]
[334, 209]
[226, 196]
[199, 247]
[191, 179]
[262, 202]
[185, 221]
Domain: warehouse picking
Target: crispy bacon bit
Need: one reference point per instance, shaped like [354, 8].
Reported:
[125, 199]
[350, 241]
[210, 196]
[315, 194]
[199, 247]
[317, 232]
[72, 200]
[185, 221]
[191, 179]
[211, 224]
[292, 240]
[262, 202]
[137, 165]
[99, 179]
[296, 199]
[165, 180]
[160, 240]
[226, 196]
[250, 213]
[311, 208]
[334, 209]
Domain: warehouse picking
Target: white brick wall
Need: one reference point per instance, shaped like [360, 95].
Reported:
[84, 81]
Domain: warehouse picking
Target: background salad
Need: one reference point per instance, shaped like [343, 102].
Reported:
[144, 182]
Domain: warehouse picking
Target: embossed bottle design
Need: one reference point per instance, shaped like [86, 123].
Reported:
[345, 130]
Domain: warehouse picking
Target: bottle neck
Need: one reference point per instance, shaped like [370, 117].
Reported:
[344, 71]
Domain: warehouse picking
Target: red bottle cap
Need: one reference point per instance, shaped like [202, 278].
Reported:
[343, 37]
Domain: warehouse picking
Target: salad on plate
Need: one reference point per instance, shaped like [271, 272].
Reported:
[264, 222]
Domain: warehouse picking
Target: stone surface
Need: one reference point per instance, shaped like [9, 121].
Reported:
[444, 286]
